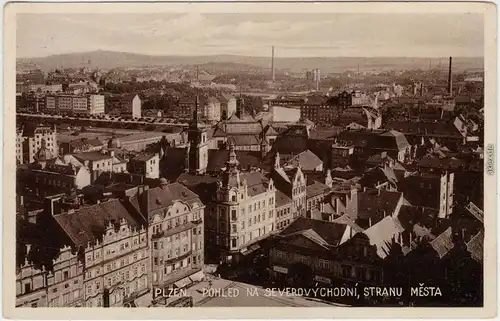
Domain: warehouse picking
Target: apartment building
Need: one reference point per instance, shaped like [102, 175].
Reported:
[242, 214]
[33, 136]
[175, 231]
[75, 104]
[113, 239]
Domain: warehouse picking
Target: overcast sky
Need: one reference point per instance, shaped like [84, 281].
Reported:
[293, 35]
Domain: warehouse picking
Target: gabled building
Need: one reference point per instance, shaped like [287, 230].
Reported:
[111, 238]
[175, 217]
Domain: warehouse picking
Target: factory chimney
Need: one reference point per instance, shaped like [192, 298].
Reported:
[273, 76]
[450, 84]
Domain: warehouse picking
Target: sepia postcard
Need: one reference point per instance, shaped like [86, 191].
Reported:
[250, 160]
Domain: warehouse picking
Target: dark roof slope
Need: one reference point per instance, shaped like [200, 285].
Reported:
[331, 232]
[163, 196]
[89, 223]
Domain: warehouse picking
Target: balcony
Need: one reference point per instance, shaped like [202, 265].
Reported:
[197, 221]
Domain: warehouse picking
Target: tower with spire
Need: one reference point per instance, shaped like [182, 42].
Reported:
[241, 197]
[231, 176]
[198, 144]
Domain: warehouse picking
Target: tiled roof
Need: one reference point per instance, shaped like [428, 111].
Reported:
[443, 243]
[91, 156]
[244, 140]
[476, 246]
[282, 199]
[270, 131]
[144, 157]
[378, 158]
[235, 125]
[382, 235]
[257, 183]
[204, 186]
[376, 204]
[163, 196]
[330, 232]
[217, 159]
[316, 188]
[307, 160]
[60, 169]
[85, 143]
[89, 223]
[188, 179]
[344, 219]
[449, 163]
[425, 128]
[325, 133]
[391, 140]
[379, 175]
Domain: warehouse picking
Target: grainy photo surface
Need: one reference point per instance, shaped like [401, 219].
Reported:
[249, 159]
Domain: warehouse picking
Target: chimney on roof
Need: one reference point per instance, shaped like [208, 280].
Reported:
[450, 85]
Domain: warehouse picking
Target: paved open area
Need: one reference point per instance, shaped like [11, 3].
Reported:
[226, 293]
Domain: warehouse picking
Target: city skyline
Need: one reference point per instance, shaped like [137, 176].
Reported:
[293, 35]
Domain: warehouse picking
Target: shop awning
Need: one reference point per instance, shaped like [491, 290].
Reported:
[197, 277]
[250, 249]
[182, 283]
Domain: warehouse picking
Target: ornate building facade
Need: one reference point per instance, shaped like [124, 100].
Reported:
[243, 212]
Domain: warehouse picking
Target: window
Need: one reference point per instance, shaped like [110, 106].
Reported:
[233, 228]
[249, 208]
[242, 225]
[233, 215]
[65, 275]
[233, 198]
[250, 221]
[27, 287]
[155, 245]
[234, 242]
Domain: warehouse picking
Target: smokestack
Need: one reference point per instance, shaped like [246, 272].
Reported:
[273, 75]
[450, 85]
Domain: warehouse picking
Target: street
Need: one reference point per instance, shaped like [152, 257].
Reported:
[246, 295]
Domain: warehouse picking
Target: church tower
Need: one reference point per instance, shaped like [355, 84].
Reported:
[198, 144]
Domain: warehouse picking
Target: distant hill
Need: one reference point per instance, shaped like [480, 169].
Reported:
[112, 59]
